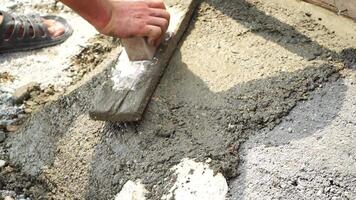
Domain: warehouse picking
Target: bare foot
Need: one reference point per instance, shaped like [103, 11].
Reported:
[54, 28]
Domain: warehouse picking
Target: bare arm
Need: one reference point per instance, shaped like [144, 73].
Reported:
[125, 18]
[97, 12]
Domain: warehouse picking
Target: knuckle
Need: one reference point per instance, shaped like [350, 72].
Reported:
[141, 26]
[141, 13]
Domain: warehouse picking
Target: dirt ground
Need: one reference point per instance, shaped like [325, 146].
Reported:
[263, 89]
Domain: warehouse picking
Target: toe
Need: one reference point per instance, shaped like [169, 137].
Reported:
[55, 29]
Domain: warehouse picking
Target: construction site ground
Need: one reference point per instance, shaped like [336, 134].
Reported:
[257, 102]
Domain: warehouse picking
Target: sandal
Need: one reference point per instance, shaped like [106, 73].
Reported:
[21, 33]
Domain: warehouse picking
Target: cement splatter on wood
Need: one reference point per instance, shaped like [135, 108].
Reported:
[126, 73]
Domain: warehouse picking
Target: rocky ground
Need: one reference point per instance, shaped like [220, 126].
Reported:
[259, 92]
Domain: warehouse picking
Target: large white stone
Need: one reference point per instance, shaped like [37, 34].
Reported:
[132, 191]
[196, 181]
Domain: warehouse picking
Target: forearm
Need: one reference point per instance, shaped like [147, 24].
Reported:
[123, 18]
[97, 12]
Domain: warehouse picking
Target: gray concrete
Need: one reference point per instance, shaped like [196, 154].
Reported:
[310, 155]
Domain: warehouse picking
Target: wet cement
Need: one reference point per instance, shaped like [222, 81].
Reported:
[241, 67]
[310, 155]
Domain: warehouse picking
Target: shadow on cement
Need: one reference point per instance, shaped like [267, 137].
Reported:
[185, 119]
[280, 33]
[285, 35]
[307, 119]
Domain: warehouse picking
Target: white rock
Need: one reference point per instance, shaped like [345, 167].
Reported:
[2, 163]
[132, 191]
[8, 198]
[196, 181]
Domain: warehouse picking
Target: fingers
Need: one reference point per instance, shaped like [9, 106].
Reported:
[160, 13]
[160, 22]
[153, 33]
[156, 4]
[160, 18]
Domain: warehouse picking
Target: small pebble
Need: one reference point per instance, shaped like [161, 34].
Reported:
[165, 133]
[2, 163]
[8, 198]
[319, 192]
[311, 58]
[11, 128]
[23, 93]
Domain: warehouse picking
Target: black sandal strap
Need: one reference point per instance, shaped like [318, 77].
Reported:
[8, 22]
[19, 24]
[40, 30]
[29, 26]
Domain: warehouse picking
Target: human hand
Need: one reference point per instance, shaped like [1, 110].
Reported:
[137, 18]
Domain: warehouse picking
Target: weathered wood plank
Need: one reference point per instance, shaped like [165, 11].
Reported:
[343, 7]
[329, 4]
[124, 104]
[347, 7]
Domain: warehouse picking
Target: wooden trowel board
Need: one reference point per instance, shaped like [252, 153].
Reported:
[116, 103]
[343, 7]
